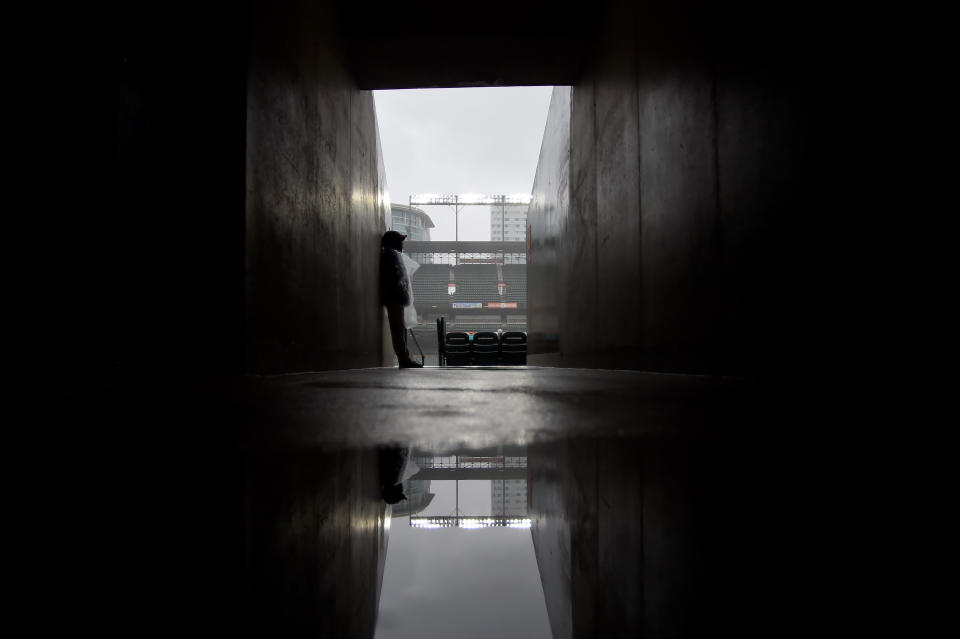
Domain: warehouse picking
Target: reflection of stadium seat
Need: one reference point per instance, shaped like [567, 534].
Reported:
[486, 347]
[513, 347]
[457, 348]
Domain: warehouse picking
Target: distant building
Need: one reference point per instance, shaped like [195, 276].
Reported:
[508, 222]
[508, 497]
[411, 221]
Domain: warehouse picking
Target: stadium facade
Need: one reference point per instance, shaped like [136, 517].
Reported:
[411, 221]
[474, 285]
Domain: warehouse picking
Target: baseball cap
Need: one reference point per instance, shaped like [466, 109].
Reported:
[392, 238]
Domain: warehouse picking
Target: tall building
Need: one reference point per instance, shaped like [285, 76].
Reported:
[508, 222]
[411, 221]
[508, 497]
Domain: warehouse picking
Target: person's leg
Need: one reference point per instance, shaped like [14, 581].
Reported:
[398, 332]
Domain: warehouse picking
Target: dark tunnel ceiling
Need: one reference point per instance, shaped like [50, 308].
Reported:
[395, 45]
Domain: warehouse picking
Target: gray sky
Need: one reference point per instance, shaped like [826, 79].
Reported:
[461, 583]
[482, 140]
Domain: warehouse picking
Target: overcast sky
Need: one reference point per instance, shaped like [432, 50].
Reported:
[483, 140]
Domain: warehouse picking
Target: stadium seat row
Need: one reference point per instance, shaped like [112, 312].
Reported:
[485, 348]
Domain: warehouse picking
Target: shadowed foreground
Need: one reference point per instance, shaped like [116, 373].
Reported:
[662, 504]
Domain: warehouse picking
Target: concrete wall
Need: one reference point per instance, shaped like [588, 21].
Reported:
[224, 199]
[546, 219]
[433, 43]
[216, 525]
[316, 198]
[147, 244]
[316, 543]
[670, 535]
[685, 242]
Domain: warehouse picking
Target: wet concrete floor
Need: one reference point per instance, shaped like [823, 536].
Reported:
[661, 505]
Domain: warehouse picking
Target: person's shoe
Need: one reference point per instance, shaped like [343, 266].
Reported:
[410, 364]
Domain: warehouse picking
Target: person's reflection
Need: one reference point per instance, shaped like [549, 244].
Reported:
[393, 461]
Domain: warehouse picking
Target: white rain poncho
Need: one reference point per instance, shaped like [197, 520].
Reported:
[409, 311]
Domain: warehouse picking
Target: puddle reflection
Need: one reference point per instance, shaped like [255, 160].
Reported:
[657, 532]
[460, 558]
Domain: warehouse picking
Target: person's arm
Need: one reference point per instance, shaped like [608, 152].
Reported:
[397, 288]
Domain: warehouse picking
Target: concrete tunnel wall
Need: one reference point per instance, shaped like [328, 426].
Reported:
[234, 195]
[682, 203]
[316, 198]
[315, 544]
[669, 535]
[678, 178]
[148, 248]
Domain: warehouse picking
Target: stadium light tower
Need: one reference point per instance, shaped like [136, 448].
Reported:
[470, 522]
[467, 465]
[469, 199]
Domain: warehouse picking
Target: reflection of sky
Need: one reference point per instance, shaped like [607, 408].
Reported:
[474, 498]
[463, 583]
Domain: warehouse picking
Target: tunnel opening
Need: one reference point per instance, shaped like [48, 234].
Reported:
[460, 165]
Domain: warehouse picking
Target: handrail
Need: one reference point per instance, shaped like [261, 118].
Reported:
[423, 359]
[441, 341]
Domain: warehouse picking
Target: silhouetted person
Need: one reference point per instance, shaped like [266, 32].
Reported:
[395, 293]
[392, 461]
